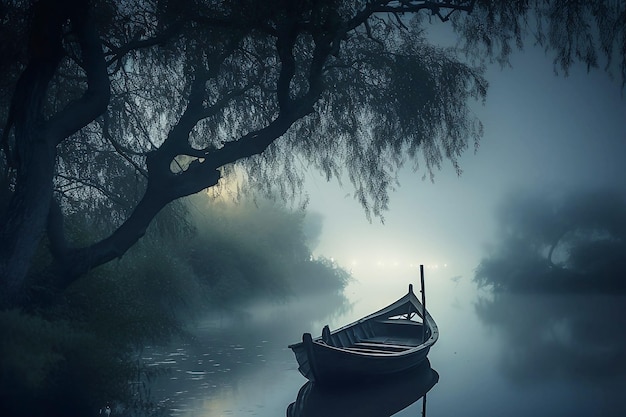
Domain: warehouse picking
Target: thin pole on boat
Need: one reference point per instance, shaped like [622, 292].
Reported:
[424, 406]
[423, 304]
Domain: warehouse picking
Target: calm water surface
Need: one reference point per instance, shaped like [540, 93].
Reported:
[506, 355]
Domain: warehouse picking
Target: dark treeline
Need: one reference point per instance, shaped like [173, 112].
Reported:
[77, 351]
[558, 288]
[559, 242]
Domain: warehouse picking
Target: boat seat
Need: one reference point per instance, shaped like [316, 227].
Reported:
[409, 342]
[397, 348]
[368, 350]
[402, 322]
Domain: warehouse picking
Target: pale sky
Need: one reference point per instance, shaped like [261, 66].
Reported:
[541, 130]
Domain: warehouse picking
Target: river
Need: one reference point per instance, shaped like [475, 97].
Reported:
[497, 355]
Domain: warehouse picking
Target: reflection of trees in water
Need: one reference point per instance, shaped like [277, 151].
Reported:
[557, 262]
[563, 242]
[559, 336]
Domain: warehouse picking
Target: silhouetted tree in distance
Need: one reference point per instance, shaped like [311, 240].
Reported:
[561, 242]
[115, 109]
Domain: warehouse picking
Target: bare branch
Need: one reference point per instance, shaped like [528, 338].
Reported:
[116, 53]
[107, 193]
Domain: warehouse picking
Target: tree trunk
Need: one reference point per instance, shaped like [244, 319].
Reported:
[26, 217]
[37, 136]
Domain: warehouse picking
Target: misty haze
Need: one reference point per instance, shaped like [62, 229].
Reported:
[188, 187]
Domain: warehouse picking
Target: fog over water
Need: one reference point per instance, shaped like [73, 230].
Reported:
[517, 361]
[504, 354]
[544, 134]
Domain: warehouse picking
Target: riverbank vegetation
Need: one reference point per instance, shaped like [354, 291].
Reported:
[78, 350]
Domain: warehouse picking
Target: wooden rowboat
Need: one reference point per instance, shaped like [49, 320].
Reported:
[391, 340]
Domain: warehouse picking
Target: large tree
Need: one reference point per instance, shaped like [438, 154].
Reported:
[557, 241]
[123, 107]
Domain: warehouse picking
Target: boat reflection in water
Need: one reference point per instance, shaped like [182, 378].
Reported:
[382, 397]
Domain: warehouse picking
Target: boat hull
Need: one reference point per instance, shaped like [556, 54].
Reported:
[337, 365]
[392, 340]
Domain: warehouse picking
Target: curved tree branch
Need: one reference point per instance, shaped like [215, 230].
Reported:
[95, 100]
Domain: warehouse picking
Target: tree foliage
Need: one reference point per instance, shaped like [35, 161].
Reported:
[588, 32]
[136, 104]
[116, 109]
[560, 242]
